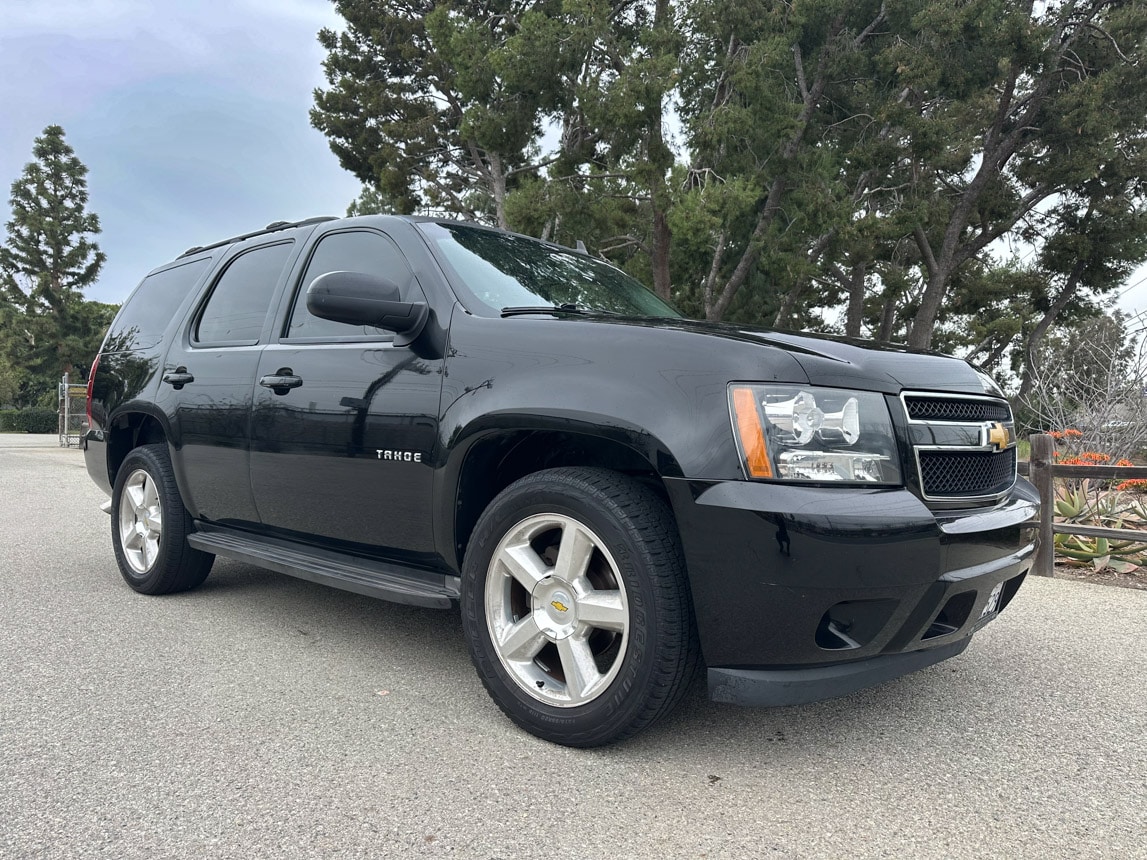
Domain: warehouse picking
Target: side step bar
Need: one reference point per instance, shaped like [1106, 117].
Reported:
[380, 579]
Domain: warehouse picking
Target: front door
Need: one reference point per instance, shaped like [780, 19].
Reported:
[345, 422]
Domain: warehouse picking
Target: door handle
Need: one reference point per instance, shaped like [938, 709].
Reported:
[179, 378]
[281, 381]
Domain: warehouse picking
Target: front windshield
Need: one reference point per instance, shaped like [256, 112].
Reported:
[506, 271]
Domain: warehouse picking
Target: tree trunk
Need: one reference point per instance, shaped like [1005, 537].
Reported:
[660, 256]
[855, 319]
[497, 174]
[660, 162]
[1031, 345]
[924, 323]
[887, 318]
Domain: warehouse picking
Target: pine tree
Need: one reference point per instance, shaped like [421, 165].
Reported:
[48, 258]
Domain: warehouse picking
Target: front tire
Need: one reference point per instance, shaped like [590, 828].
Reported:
[576, 606]
[150, 526]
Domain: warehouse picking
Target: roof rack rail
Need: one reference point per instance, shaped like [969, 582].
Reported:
[270, 228]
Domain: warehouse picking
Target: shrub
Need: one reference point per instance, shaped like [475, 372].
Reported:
[29, 420]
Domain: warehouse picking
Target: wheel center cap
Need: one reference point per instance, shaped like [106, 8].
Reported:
[555, 607]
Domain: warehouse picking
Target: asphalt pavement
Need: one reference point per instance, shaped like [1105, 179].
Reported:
[262, 716]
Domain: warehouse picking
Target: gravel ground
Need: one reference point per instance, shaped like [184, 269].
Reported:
[263, 716]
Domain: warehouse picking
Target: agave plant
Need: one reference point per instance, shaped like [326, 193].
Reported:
[1101, 553]
[1082, 503]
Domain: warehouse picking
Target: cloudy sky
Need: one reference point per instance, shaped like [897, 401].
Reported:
[191, 116]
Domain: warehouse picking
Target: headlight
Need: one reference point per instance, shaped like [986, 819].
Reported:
[805, 433]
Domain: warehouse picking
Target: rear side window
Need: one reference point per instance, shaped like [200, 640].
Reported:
[357, 251]
[238, 305]
[151, 308]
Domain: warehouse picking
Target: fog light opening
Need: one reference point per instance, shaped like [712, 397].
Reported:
[853, 624]
[953, 616]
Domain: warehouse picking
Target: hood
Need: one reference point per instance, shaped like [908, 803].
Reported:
[845, 362]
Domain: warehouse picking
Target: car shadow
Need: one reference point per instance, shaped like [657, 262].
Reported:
[712, 735]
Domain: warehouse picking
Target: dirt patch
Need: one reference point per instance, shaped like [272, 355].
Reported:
[1135, 579]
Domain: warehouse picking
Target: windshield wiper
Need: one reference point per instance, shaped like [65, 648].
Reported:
[565, 308]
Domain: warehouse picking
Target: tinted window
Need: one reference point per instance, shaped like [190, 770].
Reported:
[369, 253]
[238, 304]
[152, 306]
[504, 271]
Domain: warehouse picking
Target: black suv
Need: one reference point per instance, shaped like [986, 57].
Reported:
[435, 412]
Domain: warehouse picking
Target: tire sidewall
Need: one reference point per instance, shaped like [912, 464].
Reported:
[625, 697]
[139, 459]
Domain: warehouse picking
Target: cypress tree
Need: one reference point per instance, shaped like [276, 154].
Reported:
[49, 256]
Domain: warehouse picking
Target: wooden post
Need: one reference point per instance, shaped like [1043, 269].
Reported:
[1042, 458]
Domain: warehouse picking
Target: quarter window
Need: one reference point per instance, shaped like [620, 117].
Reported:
[238, 306]
[357, 251]
[152, 306]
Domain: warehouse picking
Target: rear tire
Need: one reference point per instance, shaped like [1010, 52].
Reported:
[576, 606]
[150, 526]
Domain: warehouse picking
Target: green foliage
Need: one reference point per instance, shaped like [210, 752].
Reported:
[47, 327]
[372, 201]
[853, 156]
[32, 420]
[10, 379]
[439, 105]
[48, 248]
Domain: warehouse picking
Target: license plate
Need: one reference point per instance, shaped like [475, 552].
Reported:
[993, 601]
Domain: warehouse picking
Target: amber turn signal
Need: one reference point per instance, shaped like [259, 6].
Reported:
[751, 434]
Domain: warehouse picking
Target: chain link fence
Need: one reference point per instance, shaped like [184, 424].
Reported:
[73, 412]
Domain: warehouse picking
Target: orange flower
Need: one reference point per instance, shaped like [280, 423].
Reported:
[1071, 431]
[1055, 434]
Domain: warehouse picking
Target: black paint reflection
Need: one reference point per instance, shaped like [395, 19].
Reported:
[328, 459]
[122, 375]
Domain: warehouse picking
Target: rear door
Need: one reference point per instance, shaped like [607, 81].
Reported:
[342, 456]
[208, 377]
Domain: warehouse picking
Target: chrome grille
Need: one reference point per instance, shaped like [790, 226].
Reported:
[957, 474]
[956, 441]
[958, 410]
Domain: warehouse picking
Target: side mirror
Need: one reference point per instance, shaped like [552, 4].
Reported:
[361, 299]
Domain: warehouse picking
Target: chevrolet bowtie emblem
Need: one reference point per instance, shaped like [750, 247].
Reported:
[559, 606]
[998, 435]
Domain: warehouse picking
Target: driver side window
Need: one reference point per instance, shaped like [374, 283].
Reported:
[356, 251]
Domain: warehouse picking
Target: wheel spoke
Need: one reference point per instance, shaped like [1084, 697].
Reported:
[135, 497]
[522, 641]
[603, 609]
[132, 540]
[149, 550]
[579, 668]
[574, 553]
[524, 565]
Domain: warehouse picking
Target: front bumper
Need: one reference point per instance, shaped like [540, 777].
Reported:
[849, 586]
[776, 687]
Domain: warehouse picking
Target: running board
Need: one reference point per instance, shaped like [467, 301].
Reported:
[380, 579]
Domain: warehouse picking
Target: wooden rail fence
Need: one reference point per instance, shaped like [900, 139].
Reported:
[1042, 470]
